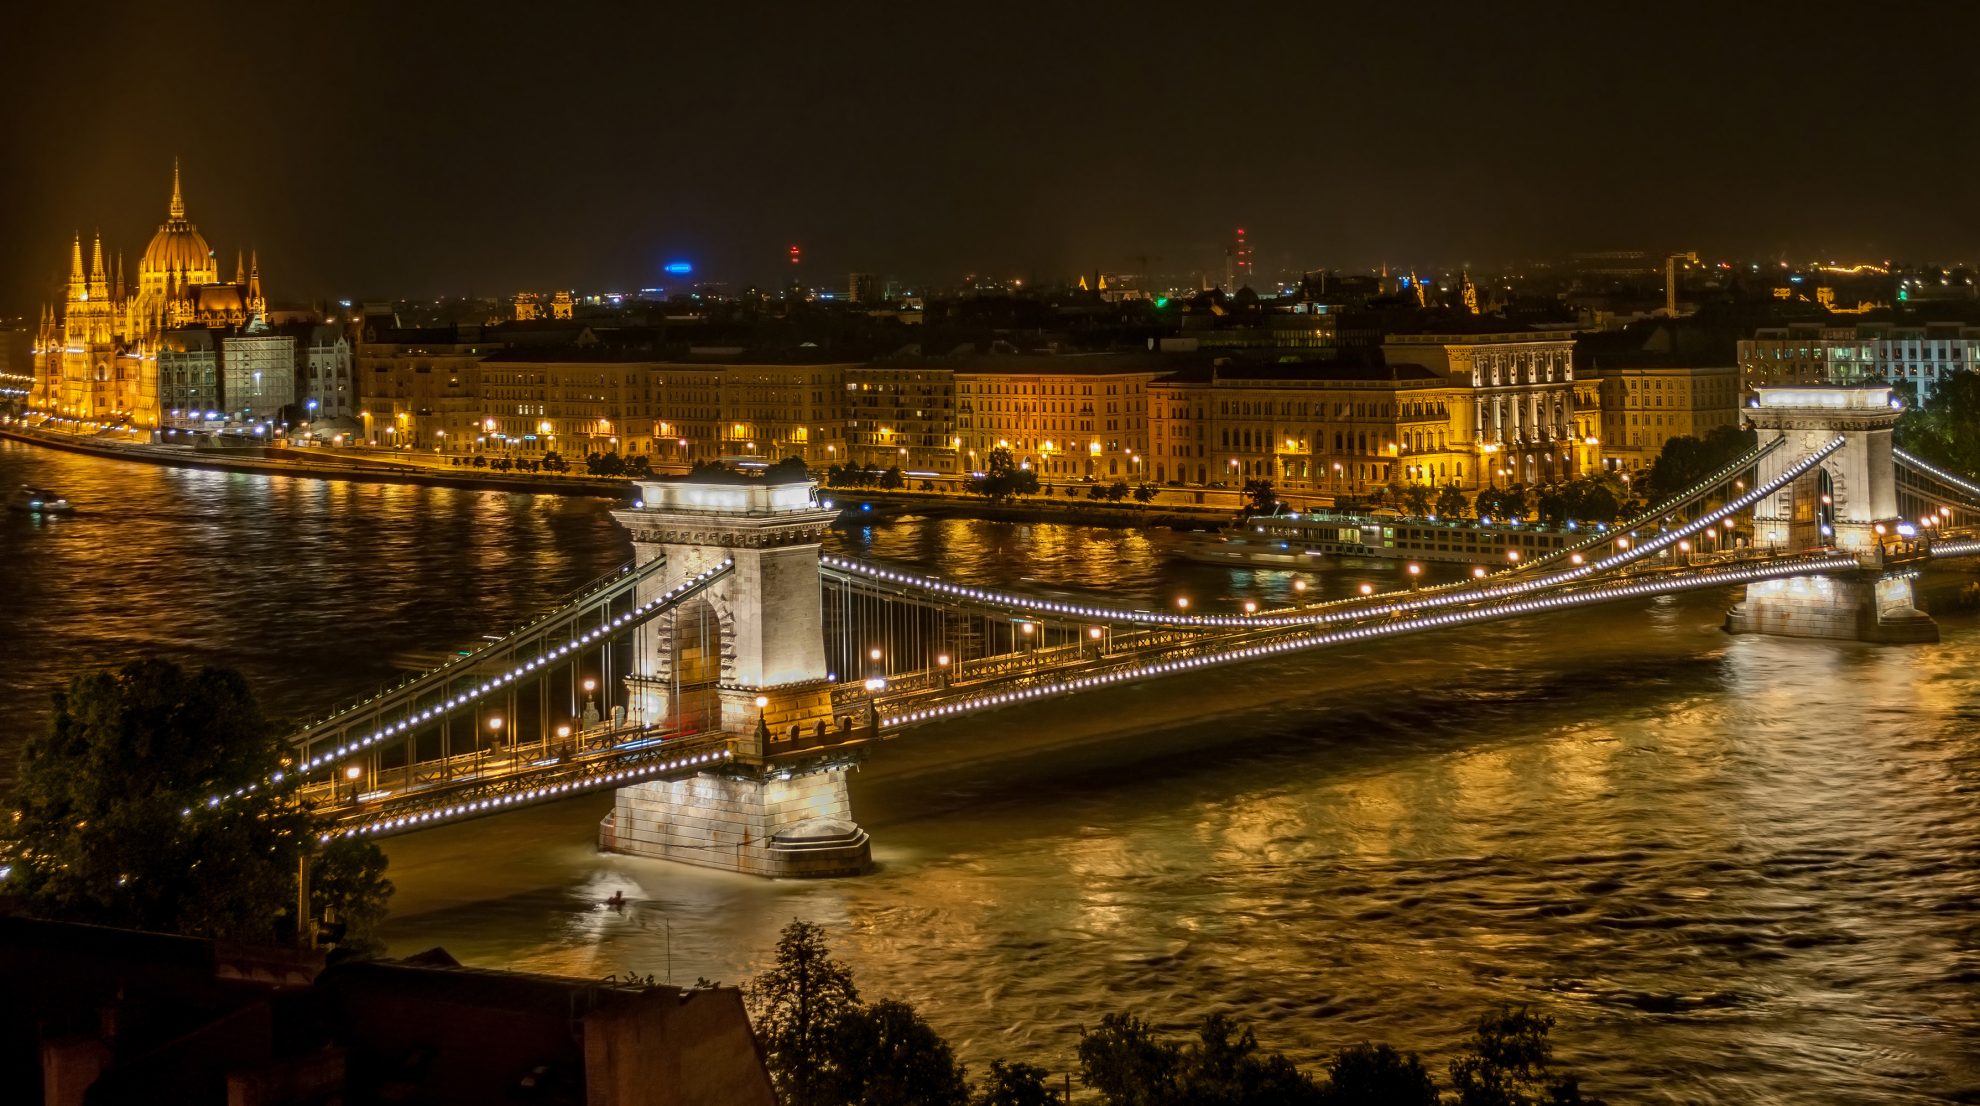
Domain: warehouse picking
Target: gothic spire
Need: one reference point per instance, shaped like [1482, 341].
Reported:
[96, 259]
[240, 267]
[76, 275]
[178, 201]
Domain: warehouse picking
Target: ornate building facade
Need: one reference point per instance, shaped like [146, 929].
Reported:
[96, 355]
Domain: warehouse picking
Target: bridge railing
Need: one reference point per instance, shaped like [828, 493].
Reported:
[678, 755]
[1966, 489]
[1206, 653]
[404, 703]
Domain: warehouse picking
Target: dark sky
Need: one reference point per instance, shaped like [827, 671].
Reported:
[422, 148]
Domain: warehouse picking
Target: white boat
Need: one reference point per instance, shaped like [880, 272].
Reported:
[39, 501]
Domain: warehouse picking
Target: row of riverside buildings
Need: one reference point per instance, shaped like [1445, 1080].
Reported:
[1465, 404]
[1316, 401]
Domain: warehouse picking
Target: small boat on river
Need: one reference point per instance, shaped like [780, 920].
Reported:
[39, 501]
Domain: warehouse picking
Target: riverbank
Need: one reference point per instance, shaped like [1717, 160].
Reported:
[327, 464]
[1075, 512]
[324, 465]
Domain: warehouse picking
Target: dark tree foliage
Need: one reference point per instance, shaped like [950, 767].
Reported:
[1015, 1084]
[1146, 493]
[1378, 1075]
[157, 800]
[1508, 504]
[893, 478]
[1225, 1068]
[788, 470]
[1130, 1065]
[1003, 478]
[1945, 429]
[1417, 498]
[1450, 502]
[885, 1055]
[347, 885]
[1127, 1062]
[1686, 460]
[1510, 1063]
[1583, 500]
[795, 1006]
[1259, 498]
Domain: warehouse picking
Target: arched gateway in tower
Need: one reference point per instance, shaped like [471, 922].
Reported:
[746, 656]
[1847, 503]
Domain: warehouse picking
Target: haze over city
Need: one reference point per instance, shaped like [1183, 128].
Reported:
[395, 150]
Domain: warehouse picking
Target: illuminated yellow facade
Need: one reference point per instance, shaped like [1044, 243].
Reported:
[96, 357]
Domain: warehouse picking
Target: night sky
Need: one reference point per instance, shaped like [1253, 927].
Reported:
[423, 149]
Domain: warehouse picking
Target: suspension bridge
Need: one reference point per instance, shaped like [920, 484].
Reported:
[742, 672]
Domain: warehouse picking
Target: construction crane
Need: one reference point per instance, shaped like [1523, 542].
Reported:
[1671, 279]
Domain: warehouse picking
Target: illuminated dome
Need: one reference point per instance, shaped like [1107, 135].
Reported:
[177, 248]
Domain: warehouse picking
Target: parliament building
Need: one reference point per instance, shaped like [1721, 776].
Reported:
[96, 356]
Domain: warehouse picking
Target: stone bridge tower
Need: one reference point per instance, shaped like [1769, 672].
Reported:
[1847, 503]
[745, 656]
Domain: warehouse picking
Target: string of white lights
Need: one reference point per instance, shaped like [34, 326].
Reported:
[1948, 478]
[1607, 593]
[473, 695]
[1469, 593]
[469, 807]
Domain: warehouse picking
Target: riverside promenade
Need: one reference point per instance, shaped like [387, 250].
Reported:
[326, 463]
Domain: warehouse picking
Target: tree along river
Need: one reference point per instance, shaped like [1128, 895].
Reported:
[1737, 870]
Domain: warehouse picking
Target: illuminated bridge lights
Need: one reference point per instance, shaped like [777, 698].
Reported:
[1912, 462]
[1454, 595]
[1610, 593]
[547, 791]
[651, 606]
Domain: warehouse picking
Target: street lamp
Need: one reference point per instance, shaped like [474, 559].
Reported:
[1182, 602]
[1250, 606]
[353, 774]
[1368, 589]
[942, 663]
[1414, 571]
[494, 731]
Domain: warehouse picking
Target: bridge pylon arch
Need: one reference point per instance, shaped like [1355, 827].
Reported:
[1848, 502]
[748, 660]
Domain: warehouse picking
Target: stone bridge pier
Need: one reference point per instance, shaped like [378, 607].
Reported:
[1847, 503]
[745, 656]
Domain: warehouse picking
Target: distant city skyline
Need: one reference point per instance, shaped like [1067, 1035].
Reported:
[491, 147]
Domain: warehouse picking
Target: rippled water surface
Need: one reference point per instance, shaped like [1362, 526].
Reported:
[1736, 869]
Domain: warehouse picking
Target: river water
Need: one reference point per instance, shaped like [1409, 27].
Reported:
[1737, 870]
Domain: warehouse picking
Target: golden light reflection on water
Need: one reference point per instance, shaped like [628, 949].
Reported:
[1739, 870]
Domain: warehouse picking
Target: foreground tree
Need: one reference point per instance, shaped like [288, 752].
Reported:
[886, 1055]
[1510, 1063]
[1378, 1075]
[1015, 1084]
[158, 799]
[795, 1006]
[1130, 1065]
[348, 891]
